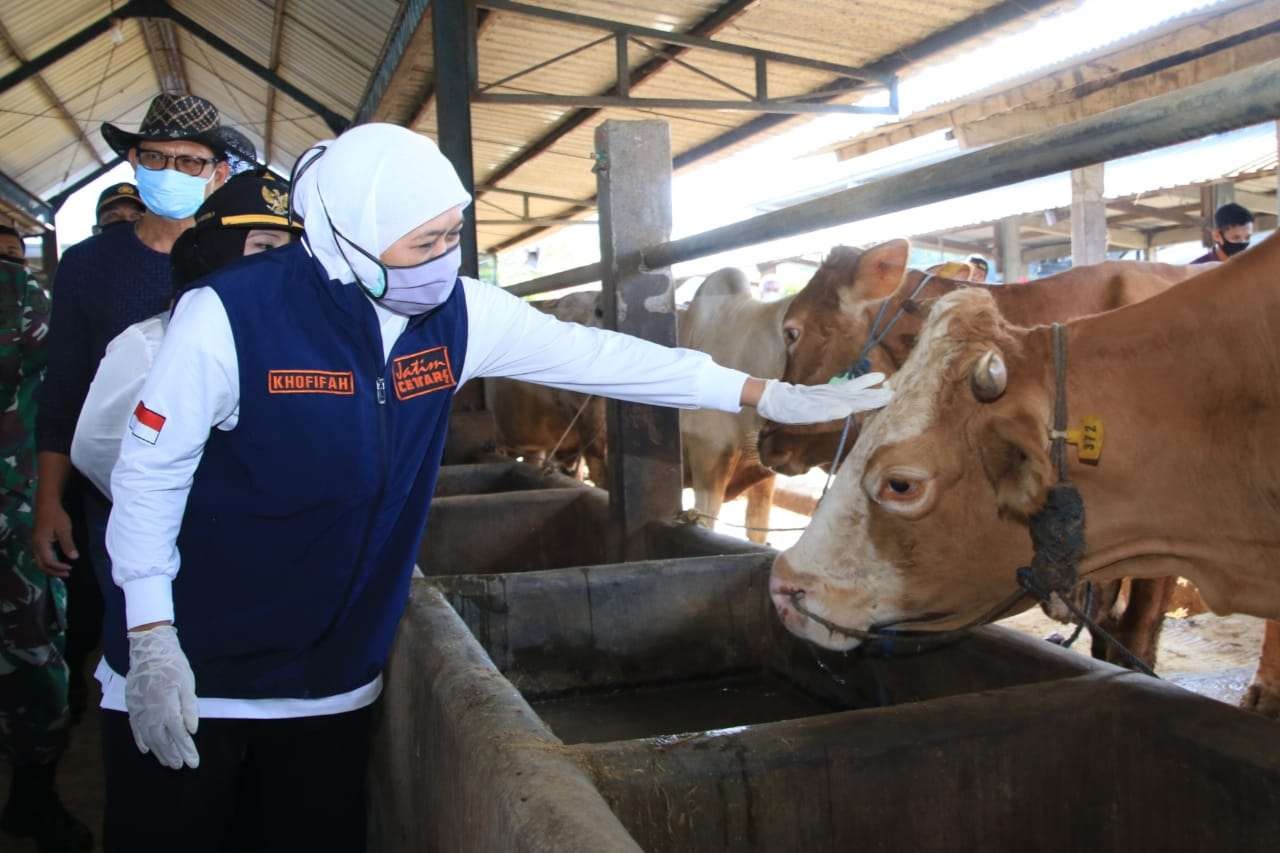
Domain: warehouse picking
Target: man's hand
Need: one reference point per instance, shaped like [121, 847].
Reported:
[52, 524]
[52, 527]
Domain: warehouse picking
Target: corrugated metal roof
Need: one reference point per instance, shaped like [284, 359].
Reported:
[329, 49]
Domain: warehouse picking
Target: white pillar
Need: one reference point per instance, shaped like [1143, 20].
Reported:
[1088, 216]
[1009, 241]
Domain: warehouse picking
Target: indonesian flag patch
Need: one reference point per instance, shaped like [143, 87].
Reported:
[146, 424]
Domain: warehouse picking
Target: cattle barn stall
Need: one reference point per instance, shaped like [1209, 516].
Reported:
[575, 671]
[541, 698]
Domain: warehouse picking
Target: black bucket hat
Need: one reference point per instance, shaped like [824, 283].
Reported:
[172, 118]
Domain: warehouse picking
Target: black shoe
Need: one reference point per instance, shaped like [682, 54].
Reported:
[41, 814]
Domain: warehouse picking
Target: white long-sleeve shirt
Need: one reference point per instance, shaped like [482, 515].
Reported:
[194, 382]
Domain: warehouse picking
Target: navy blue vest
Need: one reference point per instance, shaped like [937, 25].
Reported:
[303, 522]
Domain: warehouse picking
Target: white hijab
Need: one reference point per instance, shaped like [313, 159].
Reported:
[378, 182]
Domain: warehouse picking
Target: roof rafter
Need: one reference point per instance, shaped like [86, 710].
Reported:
[52, 97]
[273, 65]
[923, 50]
[166, 58]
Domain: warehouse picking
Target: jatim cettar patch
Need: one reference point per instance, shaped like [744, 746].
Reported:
[422, 373]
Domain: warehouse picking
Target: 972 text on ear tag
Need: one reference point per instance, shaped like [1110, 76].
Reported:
[1087, 439]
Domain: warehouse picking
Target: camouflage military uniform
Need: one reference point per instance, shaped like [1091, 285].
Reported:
[33, 674]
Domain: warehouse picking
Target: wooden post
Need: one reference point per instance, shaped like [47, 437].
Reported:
[1088, 216]
[633, 167]
[1009, 243]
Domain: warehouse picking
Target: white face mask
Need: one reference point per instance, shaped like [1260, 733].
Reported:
[405, 290]
[419, 288]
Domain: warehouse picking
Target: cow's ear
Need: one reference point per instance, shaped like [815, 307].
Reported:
[1015, 458]
[880, 271]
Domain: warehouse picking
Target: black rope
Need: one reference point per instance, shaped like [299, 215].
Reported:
[1059, 448]
[862, 365]
[1035, 587]
[1088, 608]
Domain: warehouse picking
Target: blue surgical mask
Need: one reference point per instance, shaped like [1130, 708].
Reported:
[169, 193]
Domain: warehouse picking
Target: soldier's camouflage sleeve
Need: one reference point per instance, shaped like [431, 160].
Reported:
[24, 328]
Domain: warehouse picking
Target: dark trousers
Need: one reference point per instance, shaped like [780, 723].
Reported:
[262, 785]
[88, 510]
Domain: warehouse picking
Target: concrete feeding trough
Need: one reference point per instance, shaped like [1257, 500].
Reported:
[511, 517]
[660, 706]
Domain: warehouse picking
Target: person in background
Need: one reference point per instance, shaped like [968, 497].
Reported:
[112, 280]
[248, 215]
[980, 268]
[1233, 228]
[118, 204]
[11, 245]
[34, 715]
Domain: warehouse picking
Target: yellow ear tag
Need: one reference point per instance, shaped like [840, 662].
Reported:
[1088, 439]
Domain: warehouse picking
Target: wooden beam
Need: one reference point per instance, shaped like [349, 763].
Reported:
[166, 58]
[46, 91]
[1255, 202]
[407, 40]
[1134, 210]
[273, 65]
[1062, 110]
[1073, 78]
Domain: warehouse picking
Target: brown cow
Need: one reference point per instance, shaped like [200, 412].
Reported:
[927, 519]
[537, 420]
[831, 319]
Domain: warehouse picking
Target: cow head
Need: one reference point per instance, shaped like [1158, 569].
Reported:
[824, 330]
[926, 522]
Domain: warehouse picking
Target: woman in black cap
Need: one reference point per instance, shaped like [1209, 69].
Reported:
[248, 215]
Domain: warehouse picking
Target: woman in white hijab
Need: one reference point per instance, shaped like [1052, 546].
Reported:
[286, 446]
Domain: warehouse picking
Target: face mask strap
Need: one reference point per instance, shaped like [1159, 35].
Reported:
[338, 238]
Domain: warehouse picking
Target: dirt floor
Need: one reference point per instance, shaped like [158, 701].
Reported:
[1212, 655]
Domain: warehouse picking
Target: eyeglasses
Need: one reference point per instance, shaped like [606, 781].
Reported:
[187, 164]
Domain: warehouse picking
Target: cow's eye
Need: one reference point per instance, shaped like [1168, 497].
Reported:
[791, 334]
[895, 489]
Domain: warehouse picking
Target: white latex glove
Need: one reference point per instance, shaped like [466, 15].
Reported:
[784, 403]
[160, 693]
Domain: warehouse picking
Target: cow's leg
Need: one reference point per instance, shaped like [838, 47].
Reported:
[709, 470]
[759, 504]
[1263, 696]
[1140, 626]
[1103, 612]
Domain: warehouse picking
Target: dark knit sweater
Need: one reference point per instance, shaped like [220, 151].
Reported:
[102, 286]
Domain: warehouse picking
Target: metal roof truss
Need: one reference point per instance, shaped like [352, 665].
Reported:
[658, 42]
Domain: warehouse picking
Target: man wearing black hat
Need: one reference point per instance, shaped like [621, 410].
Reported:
[118, 203]
[113, 280]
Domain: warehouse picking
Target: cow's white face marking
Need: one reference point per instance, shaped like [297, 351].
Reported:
[845, 578]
